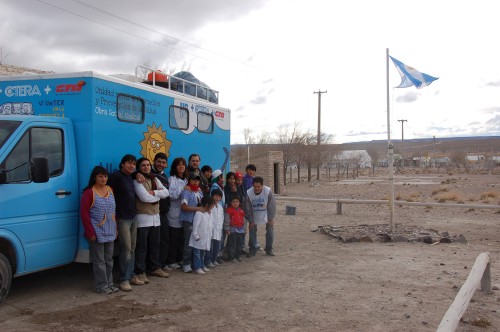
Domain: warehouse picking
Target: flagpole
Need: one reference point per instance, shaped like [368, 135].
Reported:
[390, 150]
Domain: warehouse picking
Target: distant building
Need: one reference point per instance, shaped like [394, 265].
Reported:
[9, 70]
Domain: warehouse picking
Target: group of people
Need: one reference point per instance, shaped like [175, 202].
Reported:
[185, 219]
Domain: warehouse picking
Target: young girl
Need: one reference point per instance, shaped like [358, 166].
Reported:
[201, 235]
[190, 199]
[99, 224]
[234, 225]
[217, 220]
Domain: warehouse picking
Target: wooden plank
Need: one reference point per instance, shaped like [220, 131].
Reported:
[459, 306]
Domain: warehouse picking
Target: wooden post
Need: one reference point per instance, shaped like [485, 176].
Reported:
[339, 207]
[479, 275]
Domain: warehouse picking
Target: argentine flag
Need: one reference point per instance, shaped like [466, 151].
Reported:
[410, 76]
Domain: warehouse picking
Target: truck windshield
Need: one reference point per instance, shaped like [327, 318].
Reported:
[6, 129]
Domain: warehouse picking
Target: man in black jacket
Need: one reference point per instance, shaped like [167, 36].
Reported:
[159, 165]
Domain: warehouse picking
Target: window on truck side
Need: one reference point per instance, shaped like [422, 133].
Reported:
[37, 142]
[205, 123]
[130, 108]
[178, 117]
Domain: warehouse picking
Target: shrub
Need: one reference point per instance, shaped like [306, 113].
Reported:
[449, 196]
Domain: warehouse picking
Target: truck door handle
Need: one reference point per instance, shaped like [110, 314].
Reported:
[60, 193]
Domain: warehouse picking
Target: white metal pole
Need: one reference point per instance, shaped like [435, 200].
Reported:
[390, 149]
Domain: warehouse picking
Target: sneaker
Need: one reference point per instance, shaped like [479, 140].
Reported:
[136, 281]
[160, 273]
[234, 260]
[125, 286]
[205, 269]
[167, 268]
[210, 265]
[239, 259]
[104, 291]
[142, 277]
[199, 271]
[174, 266]
[219, 260]
[270, 253]
[187, 268]
[113, 289]
[216, 263]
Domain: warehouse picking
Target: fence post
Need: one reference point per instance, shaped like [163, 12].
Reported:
[479, 274]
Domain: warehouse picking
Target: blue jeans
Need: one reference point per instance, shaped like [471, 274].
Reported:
[102, 260]
[198, 258]
[211, 256]
[269, 238]
[188, 251]
[127, 234]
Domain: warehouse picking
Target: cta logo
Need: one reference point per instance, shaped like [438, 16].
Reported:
[219, 114]
[68, 88]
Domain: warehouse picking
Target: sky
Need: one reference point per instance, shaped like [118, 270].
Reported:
[268, 57]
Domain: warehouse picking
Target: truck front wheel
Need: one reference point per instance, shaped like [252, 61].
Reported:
[5, 277]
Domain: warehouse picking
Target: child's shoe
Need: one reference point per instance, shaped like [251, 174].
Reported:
[205, 269]
[199, 271]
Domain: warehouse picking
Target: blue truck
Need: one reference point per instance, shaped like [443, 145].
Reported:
[55, 128]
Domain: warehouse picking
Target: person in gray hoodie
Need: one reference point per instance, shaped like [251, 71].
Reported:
[260, 210]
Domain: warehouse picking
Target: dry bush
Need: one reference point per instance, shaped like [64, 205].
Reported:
[448, 181]
[449, 196]
[489, 194]
[413, 197]
[439, 190]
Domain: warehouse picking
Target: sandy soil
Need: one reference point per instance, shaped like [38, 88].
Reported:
[314, 282]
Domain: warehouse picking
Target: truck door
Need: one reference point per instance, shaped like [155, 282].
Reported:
[43, 216]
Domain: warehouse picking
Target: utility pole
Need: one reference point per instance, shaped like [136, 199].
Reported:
[318, 143]
[402, 138]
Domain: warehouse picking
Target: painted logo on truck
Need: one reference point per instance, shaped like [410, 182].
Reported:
[155, 140]
[70, 88]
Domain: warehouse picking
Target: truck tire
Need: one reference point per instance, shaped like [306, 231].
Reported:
[5, 277]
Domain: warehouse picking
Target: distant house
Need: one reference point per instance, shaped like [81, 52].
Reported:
[359, 158]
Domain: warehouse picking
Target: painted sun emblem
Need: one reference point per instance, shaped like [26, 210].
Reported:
[155, 140]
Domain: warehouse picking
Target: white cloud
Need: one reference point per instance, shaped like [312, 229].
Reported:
[268, 57]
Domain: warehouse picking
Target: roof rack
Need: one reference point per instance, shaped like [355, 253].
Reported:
[159, 79]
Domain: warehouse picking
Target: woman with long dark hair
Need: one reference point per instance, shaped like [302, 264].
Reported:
[148, 222]
[177, 182]
[97, 211]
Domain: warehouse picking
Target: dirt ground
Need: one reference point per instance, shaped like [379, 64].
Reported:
[315, 282]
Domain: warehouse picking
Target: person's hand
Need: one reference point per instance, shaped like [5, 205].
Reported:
[228, 233]
[151, 192]
[270, 222]
[188, 188]
[251, 225]
[140, 178]
[92, 239]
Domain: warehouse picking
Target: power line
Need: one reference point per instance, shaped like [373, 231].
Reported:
[148, 29]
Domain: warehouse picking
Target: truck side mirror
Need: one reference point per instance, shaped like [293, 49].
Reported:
[39, 169]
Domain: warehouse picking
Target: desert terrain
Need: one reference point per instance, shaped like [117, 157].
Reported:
[315, 282]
